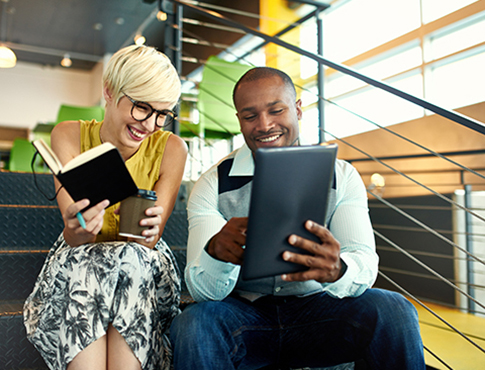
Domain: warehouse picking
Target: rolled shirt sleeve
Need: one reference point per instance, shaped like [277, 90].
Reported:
[350, 224]
[206, 277]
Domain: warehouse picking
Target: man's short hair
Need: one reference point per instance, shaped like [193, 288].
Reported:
[264, 72]
[144, 74]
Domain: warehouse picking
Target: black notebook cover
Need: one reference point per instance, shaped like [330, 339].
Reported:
[290, 186]
[103, 177]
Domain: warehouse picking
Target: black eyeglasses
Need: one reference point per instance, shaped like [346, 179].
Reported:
[141, 111]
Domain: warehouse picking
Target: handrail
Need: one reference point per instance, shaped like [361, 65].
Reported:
[440, 234]
[454, 116]
[422, 155]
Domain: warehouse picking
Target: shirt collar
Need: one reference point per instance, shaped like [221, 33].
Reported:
[243, 162]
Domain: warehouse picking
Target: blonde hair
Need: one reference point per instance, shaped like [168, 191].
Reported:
[144, 74]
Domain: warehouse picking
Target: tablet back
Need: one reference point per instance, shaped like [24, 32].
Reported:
[290, 186]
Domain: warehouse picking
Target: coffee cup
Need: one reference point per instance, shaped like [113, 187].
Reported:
[132, 211]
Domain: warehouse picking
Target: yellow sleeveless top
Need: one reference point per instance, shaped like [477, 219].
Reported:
[144, 167]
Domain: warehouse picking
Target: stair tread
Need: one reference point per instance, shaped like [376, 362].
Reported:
[11, 308]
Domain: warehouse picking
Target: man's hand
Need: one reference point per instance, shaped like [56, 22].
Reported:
[227, 244]
[324, 262]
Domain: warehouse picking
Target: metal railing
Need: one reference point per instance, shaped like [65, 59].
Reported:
[446, 240]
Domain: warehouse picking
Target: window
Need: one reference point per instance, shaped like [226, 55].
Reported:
[457, 39]
[459, 83]
[358, 26]
[434, 9]
[443, 65]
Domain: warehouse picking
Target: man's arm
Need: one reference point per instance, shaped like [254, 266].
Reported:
[207, 278]
[352, 227]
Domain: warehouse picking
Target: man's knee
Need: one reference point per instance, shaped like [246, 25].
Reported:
[396, 302]
[391, 307]
[199, 318]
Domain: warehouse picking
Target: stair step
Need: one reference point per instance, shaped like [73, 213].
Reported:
[30, 224]
[29, 227]
[18, 273]
[19, 188]
[16, 352]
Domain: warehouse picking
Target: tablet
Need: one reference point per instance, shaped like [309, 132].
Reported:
[290, 186]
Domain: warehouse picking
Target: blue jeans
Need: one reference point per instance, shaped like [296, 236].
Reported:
[380, 327]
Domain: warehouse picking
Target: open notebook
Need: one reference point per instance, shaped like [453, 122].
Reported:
[290, 185]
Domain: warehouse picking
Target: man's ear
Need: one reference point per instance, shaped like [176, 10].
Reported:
[299, 111]
[239, 119]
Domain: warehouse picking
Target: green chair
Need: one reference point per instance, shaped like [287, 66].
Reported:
[214, 102]
[43, 131]
[21, 155]
[71, 112]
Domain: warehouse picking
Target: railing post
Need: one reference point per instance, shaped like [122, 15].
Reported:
[321, 79]
[173, 42]
[469, 248]
[178, 54]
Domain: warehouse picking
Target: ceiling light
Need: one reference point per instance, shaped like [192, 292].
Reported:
[377, 180]
[139, 39]
[161, 16]
[8, 59]
[66, 61]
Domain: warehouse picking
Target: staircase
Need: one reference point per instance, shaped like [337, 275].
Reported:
[29, 226]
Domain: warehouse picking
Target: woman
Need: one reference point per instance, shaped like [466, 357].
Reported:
[102, 301]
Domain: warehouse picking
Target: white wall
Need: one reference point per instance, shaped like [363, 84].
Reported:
[32, 93]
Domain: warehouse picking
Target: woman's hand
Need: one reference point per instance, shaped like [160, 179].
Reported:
[153, 221]
[74, 233]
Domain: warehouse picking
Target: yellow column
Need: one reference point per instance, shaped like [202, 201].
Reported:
[275, 16]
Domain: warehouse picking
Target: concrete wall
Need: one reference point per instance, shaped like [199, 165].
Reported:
[31, 93]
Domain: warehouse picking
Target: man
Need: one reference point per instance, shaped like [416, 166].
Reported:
[324, 316]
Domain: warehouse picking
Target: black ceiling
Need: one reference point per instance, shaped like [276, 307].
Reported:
[41, 31]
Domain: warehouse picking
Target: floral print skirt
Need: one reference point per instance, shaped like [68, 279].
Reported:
[81, 290]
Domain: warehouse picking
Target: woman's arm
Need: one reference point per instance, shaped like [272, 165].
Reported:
[66, 144]
[167, 187]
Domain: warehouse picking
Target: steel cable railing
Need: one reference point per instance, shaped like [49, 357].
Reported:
[430, 270]
[454, 116]
[421, 225]
[379, 126]
[408, 177]
[379, 161]
[387, 130]
[406, 293]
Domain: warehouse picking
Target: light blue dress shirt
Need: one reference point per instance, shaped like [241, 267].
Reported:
[211, 279]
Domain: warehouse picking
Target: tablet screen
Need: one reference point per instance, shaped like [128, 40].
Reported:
[290, 186]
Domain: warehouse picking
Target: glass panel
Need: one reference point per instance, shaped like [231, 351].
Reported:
[358, 26]
[309, 127]
[434, 9]
[340, 84]
[458, 40]
[460, 83]
[394, 64]
[375, 105]
[309, 96]
[308, 41]
[403, 61]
